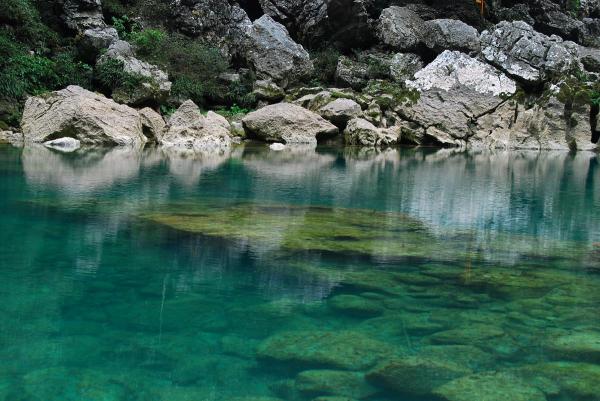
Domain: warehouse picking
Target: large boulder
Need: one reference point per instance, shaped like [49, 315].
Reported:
[363, 133]
[450, 34]
[274, 55]
[287, 123]
[401, 28]
[86, 116]
[529, 56]
[340, 111]
[189, 131]
[154, 86]
[455, 90]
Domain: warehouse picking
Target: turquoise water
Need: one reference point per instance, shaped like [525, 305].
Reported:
[299, 275]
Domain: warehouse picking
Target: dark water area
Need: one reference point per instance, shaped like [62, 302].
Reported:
[331, 274]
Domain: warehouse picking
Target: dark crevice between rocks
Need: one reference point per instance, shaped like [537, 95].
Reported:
[594, 117]
[252, 8]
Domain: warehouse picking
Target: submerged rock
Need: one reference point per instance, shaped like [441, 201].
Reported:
[578, 346]
[287, 123]
[570, 379]
[355, 305]
[339, 349]
[86, 116]
[334, 382]
[415, 375]
[493, 386]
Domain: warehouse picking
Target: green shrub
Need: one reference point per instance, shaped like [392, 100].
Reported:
[147, 41]
[23, 19]
[110, 75]
[325, 62]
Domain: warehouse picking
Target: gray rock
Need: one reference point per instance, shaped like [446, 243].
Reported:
[361, 132]
[94, 40]
[189, 131]
[340, 111]
[455, 90]
[590, 58]
[265, 89]
[404, 66]
[350, 73]
[153, 124]
[75, 112]
[307, 19]
[527, 55]
[217, 22]
[155, 87]
[14, 138]
[400, 28]
[80, 15]
[451, 34]
[65, 144]
[287, 123]
[274, 55]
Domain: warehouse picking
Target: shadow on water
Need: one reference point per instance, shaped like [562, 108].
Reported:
[261, 275]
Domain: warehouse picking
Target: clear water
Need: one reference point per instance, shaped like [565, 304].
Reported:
[270, 275]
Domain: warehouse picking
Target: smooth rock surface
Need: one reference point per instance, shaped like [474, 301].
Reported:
[287, 123]
[450, 34]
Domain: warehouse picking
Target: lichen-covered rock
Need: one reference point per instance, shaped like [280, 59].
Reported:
[189, 130]
[86, 116]
[340, 111]
[450, 34]
[274, 55]
[363, 133]
[404, 66]
[455, 90]
[265, 89]
[489, 387]
[415, 375]
[155, 85]
[401, 28]
[287, 123]
[334, 382]
[351, 73]
[338, 349]
[529, 56]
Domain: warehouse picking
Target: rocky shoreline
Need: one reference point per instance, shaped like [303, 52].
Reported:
[530, 80]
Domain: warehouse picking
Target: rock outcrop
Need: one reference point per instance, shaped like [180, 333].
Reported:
[451, 34]
[83, 115]
[189, 131]
[274, 55]
[363, 133]
[455, 90]
[287, 123]
[155, 85]
[526, 55]
[400, 28]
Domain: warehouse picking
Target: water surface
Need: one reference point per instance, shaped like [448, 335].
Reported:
[130, 275]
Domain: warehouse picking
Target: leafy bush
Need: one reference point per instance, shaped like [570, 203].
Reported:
[147, 41]
[325, 62]
[22, 18]
[109, 75]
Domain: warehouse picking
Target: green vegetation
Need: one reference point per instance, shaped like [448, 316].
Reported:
[109, 75]
[325, 61]
[389, 94]
[233, 111]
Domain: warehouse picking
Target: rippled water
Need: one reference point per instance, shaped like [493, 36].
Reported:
[299, 275]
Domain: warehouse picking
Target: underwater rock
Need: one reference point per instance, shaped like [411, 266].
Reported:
[355, 305]
[340, 349]
[494, 386]
[415, 375]
[334, 382]
[467, 335]
[464, 355]
[576, 380]
[578, 346]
